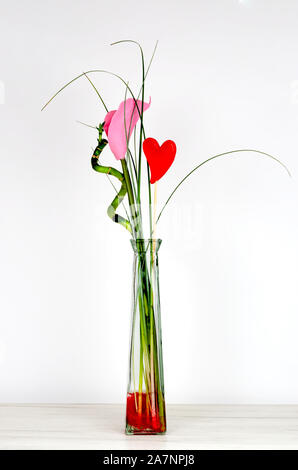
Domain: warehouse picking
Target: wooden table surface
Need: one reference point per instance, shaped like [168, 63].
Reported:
[189, 427]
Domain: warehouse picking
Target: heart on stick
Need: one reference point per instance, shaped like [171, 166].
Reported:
[159, 157]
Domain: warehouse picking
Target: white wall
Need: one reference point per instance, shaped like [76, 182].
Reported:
[225, 77]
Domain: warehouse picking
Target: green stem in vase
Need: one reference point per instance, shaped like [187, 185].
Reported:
[133, 209]
[149, 353]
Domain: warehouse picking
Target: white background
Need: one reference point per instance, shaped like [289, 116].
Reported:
[225, 77]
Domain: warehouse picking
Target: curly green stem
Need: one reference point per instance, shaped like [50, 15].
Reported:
[117, 174]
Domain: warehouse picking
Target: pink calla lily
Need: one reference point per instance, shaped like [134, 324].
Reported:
[118, 130]
[108, 120]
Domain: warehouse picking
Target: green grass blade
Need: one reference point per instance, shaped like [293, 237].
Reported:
[97, 92]
[87, 125]
[212, 158]
[150, 61]
[83, 75]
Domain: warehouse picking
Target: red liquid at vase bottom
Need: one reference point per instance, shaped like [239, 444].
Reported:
[140, 418]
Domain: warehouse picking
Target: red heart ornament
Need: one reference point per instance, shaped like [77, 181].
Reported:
[159, 158]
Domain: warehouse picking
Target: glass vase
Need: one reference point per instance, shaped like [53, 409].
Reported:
[145, 406]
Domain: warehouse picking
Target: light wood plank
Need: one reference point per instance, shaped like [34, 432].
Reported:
[189, 427]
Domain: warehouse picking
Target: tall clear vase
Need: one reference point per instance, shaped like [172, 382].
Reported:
[145, 408]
